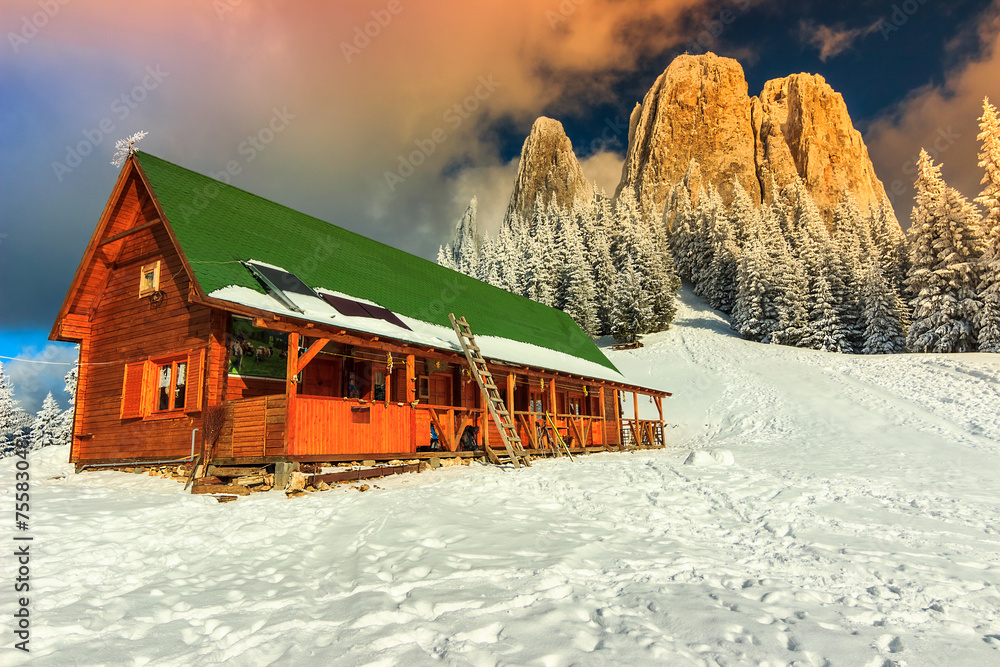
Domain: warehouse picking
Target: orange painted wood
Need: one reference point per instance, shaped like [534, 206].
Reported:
[134, 389]
[195, 381]
[347, 426]
[311, 353]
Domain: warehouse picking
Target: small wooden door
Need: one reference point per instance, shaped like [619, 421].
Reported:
[440, 390]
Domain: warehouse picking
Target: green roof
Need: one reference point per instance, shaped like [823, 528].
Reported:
[219, 225]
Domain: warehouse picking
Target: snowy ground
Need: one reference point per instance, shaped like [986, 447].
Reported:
[860, 525]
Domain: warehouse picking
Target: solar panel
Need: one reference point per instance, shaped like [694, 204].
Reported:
[353, 308]
[283, 280]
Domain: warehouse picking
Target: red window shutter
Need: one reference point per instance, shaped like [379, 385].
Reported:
[195, 380]
[134, 390]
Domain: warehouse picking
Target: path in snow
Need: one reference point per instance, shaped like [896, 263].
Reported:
[860, 525]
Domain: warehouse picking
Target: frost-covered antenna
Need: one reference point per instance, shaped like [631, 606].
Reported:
[125, 147]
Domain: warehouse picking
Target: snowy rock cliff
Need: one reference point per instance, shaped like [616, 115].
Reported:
[697, 109]
[548, 166]
[797, 127]
[802, 129]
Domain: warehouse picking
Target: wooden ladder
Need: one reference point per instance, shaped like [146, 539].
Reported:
[501, 416]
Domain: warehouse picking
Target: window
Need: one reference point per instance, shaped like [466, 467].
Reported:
[163, 386]
[423, 387]
[170, 386]
[378, 387]
[149, 279]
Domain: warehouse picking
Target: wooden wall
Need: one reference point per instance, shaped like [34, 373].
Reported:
[124, 328]
[254, 427]
[345, 426]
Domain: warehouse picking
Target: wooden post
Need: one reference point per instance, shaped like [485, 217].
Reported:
[552, 398]
[411, 379]
[636, 429]
[659, 406]
[410, 393]
[510, 404]
[291, 391]
[618, 417]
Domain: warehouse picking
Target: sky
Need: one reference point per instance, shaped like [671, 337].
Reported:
[386, 117]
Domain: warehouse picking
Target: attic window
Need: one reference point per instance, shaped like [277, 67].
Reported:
[352, 308]
[149, 279]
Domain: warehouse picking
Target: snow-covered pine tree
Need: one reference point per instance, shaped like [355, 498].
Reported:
[468, 241]
[446, 256]
[853, 249]
[883, 331]
[632, 314]
[744, 216]
[576, 282]
[825, 291]
[890, 244]
[46, 430]
[989, 198]
[823, 324]
[70, 381]
[604, 280]
[681, 232]
[489, 262]
[709, 209]
[754, 316]
[12, 417]
[719, 284]
[944, 256]
[790, 301]
[507, 257]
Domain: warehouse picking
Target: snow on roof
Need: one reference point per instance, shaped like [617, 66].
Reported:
[419, 332]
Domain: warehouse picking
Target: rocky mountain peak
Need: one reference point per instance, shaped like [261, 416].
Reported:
[798, 127]
[548, 167]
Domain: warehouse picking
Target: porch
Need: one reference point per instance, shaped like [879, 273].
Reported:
[322, 428]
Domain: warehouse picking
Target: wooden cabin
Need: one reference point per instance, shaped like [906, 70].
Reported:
[211, 319]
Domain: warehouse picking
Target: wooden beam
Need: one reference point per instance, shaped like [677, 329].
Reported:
[444, 433]
[552, 398]
[466, 418]
[529, 427]
[291, 390]
[311, 353]
[635, 405]
[127, 232]
[659, 406]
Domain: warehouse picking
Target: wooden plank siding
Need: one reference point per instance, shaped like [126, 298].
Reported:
[326, 425]
[124, 328]
[253, 427]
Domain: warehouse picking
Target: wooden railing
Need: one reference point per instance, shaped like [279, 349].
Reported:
[642, 433]
[575, 430]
